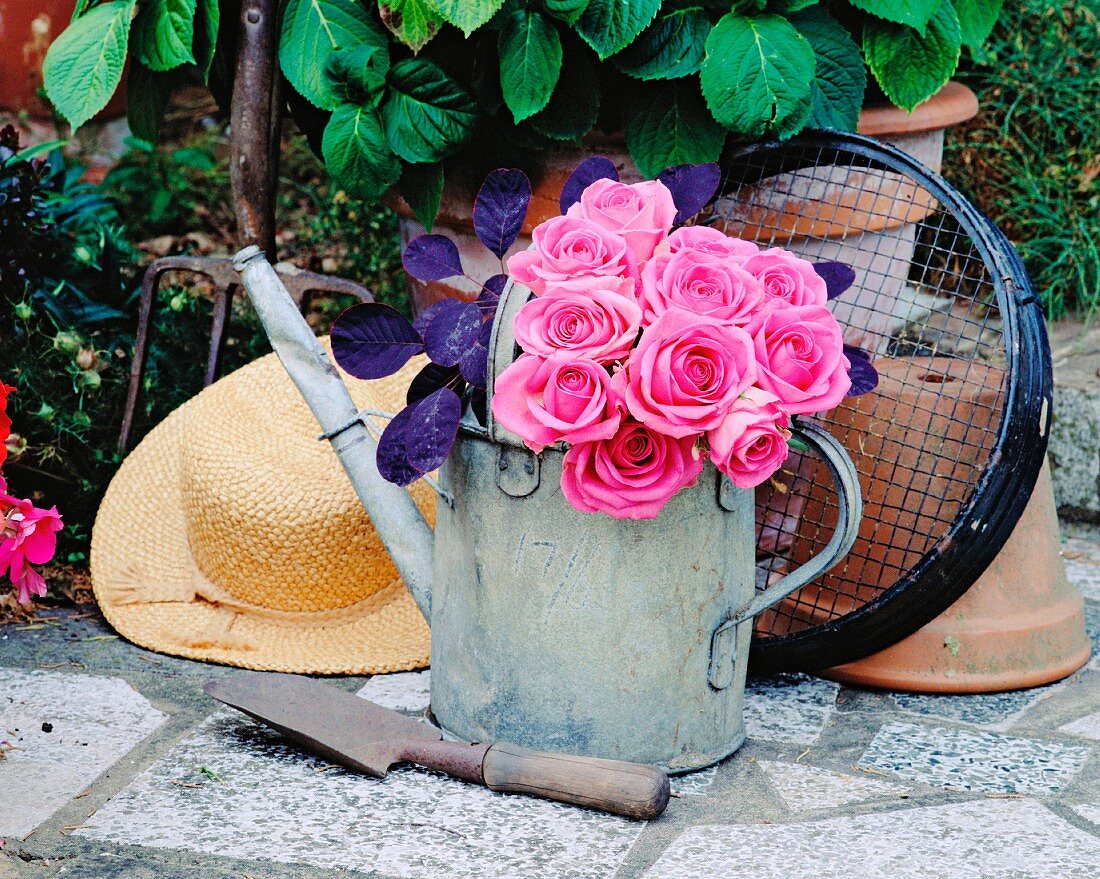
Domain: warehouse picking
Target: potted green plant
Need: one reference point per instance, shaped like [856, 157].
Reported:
[408, 94]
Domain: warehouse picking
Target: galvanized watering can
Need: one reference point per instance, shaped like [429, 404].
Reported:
[552, 628]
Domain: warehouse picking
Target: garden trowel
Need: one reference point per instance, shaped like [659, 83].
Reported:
[361, 735]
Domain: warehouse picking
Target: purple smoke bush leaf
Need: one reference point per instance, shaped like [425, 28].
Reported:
[475, 362]
[862, 372]
[431, 258]
[587, 172]
[838, 277]
[431, 378]
[392, 458]
[489, 297]
[432, 429]
[452, 330]
[371, 340]
[500, 207]
[692, 186]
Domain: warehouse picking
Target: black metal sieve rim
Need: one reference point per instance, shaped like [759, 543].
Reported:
[985, 520]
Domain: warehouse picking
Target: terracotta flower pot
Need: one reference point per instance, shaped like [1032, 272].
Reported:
[912, 481]
[920, 134]
[1021, 625]
[27, 27]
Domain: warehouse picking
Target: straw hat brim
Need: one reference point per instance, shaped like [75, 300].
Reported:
[148, 584]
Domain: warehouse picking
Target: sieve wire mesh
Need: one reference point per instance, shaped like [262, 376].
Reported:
[924, 306]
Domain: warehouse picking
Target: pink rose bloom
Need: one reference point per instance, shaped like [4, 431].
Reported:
[700, 282]
[788, 277]
[632, 475]
[571, 247]
[642, 213]
[707, 239]
[800, 356]
[751, 442]
[556, 399]
[686, 373]
[29, 537]
[597, 318]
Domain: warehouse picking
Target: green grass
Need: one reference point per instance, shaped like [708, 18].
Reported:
[1031, 159]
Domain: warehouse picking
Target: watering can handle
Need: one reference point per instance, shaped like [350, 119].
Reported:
[502, 351]
[849, 515]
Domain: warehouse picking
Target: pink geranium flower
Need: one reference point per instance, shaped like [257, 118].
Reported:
[29, 537]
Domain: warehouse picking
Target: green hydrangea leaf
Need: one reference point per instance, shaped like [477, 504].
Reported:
[914, 13]
[312, 31]
[672, 126]
[530, 62]
[976, 20]
[671, 47]
[575, 104]
[147, 93]
[757, 75]
[467, 15]
[357, 154]
[164, 31]
[609, 26]
[427, 115]
[358, 75]
[413, 22]
[207, 22]
[909, 67]
[788, 7]
[841, 76]
[83, 66]
[422, 188]
[568, 11]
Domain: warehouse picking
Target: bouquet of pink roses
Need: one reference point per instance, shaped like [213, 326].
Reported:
[648, 350]
[28, 535]
[648, 346]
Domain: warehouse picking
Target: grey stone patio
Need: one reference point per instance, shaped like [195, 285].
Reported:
[116, 765]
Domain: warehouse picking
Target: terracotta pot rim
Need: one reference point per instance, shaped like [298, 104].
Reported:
[952, 104]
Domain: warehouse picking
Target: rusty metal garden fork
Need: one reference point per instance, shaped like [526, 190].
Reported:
[255, 122]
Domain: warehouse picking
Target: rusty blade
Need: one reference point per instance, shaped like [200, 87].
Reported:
[330, 722]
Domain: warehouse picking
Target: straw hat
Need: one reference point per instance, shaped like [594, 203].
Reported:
[232, 535]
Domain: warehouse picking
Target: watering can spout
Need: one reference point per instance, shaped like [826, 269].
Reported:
[395, 516]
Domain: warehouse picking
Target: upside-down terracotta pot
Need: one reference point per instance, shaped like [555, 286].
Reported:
[887, 208]
[908, 489]
[1022, 624]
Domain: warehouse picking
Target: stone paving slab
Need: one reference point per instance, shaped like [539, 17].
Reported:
[61, 731]
[1087, 727]
[959, 759]
[832, 782]
[807, 787]
[236, 789]
[975, 840]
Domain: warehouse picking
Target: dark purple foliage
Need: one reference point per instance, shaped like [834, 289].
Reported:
[490, 294]
[838, 277]
[422, 320]
[392, 458]
[587, 172]
[432, 258]
[452, 330]
[432, 429]
[431, 378]
[371, 340]
[692, 186]
[475, 362]
[478, 406]
[863, 374]
[500, 207]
